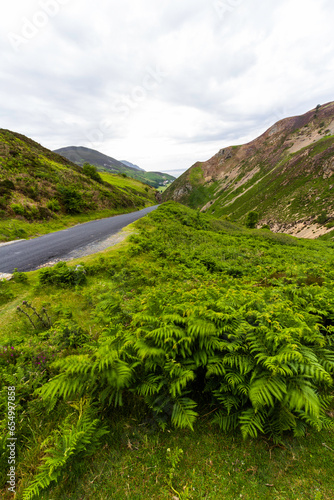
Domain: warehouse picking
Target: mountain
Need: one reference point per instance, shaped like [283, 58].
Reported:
[129, 164]
[80, 155]
[37, 184]
[285, 175]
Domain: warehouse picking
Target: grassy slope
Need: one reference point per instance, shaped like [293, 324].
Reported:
[264, 175]
[108, 164]
[42, 192]
[135, 461]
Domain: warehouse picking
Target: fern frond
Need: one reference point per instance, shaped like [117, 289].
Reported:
[227, 422]
[183, 415]
[251, 422]
[263, 391]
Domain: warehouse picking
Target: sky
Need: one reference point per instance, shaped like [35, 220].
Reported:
[165, 83]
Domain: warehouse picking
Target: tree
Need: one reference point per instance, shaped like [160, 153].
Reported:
[252, 219]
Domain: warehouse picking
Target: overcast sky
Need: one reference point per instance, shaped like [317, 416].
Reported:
[161, 83]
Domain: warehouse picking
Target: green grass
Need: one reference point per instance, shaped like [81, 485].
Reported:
[134, 465]
[175, 257]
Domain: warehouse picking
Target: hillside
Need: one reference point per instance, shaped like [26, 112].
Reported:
[38, 185]
[80, 155]
[285, 175]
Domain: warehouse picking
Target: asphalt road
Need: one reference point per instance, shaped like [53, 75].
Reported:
[28, 255]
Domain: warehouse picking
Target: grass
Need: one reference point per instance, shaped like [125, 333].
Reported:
[133, 461]
[134, 465]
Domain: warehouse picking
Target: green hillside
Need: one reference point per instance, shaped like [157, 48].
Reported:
[285, 175]
[194, 361]
[42, 191]
[80, 155]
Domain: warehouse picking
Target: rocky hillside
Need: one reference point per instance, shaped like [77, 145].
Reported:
[286, 175]
[104, 163]
[37, 184]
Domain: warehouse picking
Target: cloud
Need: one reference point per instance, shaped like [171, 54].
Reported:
[162, 84]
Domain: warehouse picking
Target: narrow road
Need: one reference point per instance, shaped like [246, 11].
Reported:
[28, 255]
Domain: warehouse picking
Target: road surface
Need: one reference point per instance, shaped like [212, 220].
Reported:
[28, 255]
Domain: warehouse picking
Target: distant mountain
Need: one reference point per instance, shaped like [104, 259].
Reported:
[128, 164]
[286, 175]
[80, 155]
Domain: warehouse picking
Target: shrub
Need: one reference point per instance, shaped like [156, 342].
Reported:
[71, 199]
[6, 186]
[5, 293]
[91, 171]
[62, 275]
[252, 219]
[66, 333]
[18, 209]
[322, 218]
[19, 277]
[53, 205]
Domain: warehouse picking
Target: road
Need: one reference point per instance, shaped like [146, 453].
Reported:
[28, 255]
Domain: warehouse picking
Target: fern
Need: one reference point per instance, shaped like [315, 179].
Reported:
[81, 439]
[251, 423]
[183, 415]
[265, 391]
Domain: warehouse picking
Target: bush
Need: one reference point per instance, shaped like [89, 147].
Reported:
[6, 186]
[53, 205]
[71, 199]
[18, 209]
[62, 275]
[19, 277]
[91, 171]
[67, 333]
[5, 293]
[252, 219]
[322, 218]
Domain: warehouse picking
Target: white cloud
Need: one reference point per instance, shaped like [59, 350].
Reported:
[162, 84]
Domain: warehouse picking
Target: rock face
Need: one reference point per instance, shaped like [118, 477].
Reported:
[285, 175]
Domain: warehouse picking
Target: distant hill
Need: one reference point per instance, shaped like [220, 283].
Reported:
[104, 163]
[286, 175]
[81, 155]
[37, 184]
[129, 164]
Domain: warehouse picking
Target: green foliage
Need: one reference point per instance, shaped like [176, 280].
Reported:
[254, 352]
[17, 208]
[71, 199]
[252, 219]
[53, 205]
[91, 171]
[62, 275]
[195, 320]
[67, 333]
[5, 292]
[322, 218]
[19, 277]
[69, 445]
